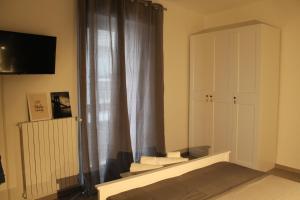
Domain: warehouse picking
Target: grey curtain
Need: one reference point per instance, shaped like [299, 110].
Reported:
[2, 177]
[121, 85]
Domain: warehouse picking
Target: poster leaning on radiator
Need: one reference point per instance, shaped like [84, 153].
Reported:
[38, 106]
[61, 106]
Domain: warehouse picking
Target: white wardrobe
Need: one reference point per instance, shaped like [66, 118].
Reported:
[234, 89]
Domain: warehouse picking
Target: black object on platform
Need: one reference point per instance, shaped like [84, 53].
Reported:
[2, 177]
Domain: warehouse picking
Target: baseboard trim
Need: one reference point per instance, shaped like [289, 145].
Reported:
[286, 168]
[50, 197]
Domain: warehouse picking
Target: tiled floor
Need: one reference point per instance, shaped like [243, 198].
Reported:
[285, 174]
[269, 188]
[76, 197]
[88, 198]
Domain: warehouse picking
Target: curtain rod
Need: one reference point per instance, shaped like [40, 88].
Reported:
[150, 2]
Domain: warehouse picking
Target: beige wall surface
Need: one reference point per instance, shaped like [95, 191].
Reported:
[284, 14]
[3, 187]
[48, 17]
[58, 18]
[179, 23]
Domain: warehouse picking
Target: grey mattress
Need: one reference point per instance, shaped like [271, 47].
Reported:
[199, 184]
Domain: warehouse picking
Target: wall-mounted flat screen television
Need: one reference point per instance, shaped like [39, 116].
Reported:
[22, 53]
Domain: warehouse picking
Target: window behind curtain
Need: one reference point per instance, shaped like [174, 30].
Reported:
[121, 79]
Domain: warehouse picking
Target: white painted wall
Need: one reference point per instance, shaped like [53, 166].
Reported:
[3, 187]
[179, 23]
[284, 14]
[49, 17]
[58, 17]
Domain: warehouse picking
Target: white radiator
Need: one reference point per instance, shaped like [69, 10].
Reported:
[49, 156]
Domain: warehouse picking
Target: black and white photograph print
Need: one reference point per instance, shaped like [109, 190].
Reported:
[61, 106]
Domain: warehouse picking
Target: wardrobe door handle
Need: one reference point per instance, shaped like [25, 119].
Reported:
[211, 98]
[206, 98]
[234, 99]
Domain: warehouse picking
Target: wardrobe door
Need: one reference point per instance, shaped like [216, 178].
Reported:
[201, 83]
[245, 93]
[222, 91]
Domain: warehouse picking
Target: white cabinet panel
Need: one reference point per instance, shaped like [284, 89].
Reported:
[245, 134]
[232, 78]
[202, 56]
[223, 64]
[246, 94]
[201, 81]
[200, 122]
[246, 43]
[222, 127]
[223, 91]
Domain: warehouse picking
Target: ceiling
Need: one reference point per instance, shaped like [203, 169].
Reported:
[211, 6]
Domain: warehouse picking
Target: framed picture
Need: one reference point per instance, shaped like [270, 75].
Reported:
[61, 106]
[38, 106]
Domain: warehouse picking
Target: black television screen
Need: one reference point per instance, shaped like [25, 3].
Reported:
[22, 53]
